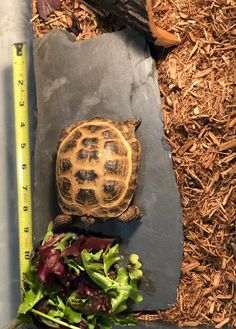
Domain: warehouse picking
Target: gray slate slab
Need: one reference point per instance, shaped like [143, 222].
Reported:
[112, 76]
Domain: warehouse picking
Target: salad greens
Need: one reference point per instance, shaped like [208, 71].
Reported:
[77, 281]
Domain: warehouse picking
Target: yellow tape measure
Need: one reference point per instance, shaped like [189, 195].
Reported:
[22, 155]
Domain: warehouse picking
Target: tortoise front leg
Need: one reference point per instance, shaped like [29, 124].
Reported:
[132, 213]
[62, 220]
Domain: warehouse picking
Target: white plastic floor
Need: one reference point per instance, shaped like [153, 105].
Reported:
[14, 27]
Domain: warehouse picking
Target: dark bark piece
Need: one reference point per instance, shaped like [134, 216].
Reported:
[137, 14]
[75, 28]
[46, 7]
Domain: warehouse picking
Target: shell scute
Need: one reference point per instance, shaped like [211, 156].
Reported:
[89, 141]
[86, 196]
[86, 175]
[65, 165]
[69, 145]
[108, 134]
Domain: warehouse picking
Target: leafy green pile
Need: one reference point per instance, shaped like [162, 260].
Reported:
[78, 282]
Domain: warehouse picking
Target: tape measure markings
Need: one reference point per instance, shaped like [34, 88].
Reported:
[22, 156]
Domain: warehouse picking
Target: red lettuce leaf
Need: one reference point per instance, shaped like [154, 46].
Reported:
[50, 266]
[85, 290]
[44, 249]
[49, 261]
[94, 304]
[88, 243]
[101, 303]
[75, 249]
[96, 244]
[46, 7]
[96, 299]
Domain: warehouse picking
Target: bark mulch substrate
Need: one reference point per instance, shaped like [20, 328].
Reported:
[197, 81]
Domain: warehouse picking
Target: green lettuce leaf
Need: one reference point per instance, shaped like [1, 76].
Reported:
[49, 323]
[74, 265]
[63, 311]
[72, 316]
[119, 284]
[106, 321]
[91, 321]
[110, 258]
[124, 321]
[30, 299]
[123, 287]
[95, 270]
[30, 279]
[58, 303]
[125, 290]
[65, 242]
[56, 313]
[49, 232]
[24, 317]
[54, 321]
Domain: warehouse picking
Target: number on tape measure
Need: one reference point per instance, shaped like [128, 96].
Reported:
[22, 155]
[27, 255]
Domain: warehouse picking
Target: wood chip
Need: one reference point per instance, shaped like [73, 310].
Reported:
[222, 323]
[228, 145]
[193, 51]
[214, 179]
[190, 323]
[214, 139]
[232, 123]
[203, 73]
[233, 245]
[185, 147]
[228, 158]
[228, 195]
[230, 171]
[173, 68]
[212, 307]
[232, 278]
[224, 297]
[190, 267]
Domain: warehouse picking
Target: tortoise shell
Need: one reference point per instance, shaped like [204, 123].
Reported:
[97, 167]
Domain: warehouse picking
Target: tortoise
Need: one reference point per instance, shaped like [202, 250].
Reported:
[97, 170]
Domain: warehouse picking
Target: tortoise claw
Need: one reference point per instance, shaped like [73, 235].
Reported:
[87, 219]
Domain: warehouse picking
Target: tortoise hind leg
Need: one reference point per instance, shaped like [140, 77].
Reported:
[132, 213]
